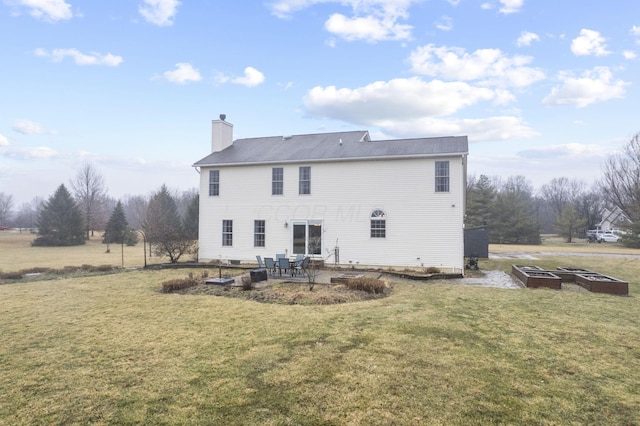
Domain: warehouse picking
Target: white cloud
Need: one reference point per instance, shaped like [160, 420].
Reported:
[372, 20]
[39, 152]
[3, 140]
[489, 66]
[526, 38]
[589, 42]
[486, 6]
[369, 28]
[252, 77]
[478, 130]
[183, 73]
[159, 12]
[47, 10]
[286, 86]
[397, 98]
[570, 150]
[629, 54]
[285, 8]
[57, 55]
[410, 107]
[595, 85]
[635, 31]
[453, 2]
[445, 23]
[511, 6]
[27, 127]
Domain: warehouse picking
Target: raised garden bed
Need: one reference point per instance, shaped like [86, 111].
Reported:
[343, 278]
[535, 277]
[597, 283]
[568, 275]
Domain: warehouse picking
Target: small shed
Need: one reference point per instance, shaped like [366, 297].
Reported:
[476, 242]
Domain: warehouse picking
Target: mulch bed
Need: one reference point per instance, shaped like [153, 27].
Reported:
[290, 293]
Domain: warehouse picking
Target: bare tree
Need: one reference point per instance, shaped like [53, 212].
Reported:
[90, 193]
[589, 206]
[135, 209]
[562, 191]
[27, 214]
[621, 179]
[6, 206]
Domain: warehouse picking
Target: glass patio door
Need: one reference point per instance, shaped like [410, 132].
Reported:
[307, 237]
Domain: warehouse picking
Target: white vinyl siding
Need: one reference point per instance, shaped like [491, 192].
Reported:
[422, 228]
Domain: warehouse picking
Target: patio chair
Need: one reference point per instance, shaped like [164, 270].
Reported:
[279, 256]
[302, 266]
[260, 262]
[283, 263]
[270, 265]
[294, 265]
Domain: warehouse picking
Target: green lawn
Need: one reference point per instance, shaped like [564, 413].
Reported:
[113, 350]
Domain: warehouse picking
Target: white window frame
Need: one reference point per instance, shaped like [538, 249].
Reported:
[442, 179]
[378, 217]
[214, 183]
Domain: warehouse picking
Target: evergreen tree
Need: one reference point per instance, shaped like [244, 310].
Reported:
[117, 230]
[163, 227]
[191, 218]
[513, 219]
[481, 195]
[60, 221]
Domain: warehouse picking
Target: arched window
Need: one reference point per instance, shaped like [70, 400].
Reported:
[378, 224]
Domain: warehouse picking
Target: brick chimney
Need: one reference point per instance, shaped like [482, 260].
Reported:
[221, 134]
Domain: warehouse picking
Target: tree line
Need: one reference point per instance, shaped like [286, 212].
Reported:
[166, 220]
[514, 213]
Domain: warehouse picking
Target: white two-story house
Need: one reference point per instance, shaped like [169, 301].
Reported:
[340, 197]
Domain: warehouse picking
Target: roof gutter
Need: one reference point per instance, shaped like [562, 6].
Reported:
[335, 160]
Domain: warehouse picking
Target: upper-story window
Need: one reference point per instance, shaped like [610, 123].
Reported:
[277, 180]
[378, 224]
[442, 176]
[304, 186]
[214, 182]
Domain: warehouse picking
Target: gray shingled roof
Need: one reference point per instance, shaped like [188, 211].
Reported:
[327, 147]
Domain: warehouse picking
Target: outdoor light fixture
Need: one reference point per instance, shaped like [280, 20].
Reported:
[286, 224]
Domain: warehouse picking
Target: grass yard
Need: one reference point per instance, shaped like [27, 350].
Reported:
[112, 349]
[16, 253]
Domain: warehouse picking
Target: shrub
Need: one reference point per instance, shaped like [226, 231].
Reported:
[11, 275]
[37, 270]
[103, 268]
[247, 284]
[370, 285]
[178, 284]
[433, 270]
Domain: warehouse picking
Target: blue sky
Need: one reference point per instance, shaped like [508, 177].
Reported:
[541, 88]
